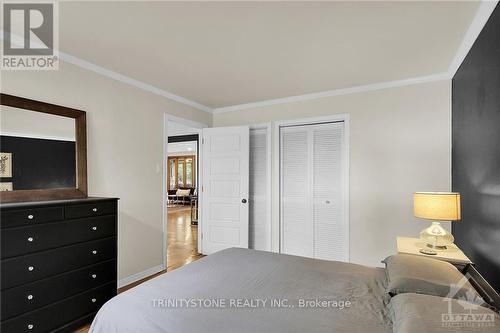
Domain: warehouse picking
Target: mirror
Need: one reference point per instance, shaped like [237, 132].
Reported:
[42, 151]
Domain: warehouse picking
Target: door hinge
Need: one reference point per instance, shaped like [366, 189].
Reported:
[203, 141]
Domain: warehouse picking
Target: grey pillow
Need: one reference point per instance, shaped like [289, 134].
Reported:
[417, 313]
[408, 273]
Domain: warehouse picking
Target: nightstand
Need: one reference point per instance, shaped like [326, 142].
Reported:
[452, 254]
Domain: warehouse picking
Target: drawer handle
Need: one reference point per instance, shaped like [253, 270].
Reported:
[94, 276]
[31, 268]
[94, 300]
[94, 228]
[30, 297]
[31, 326]
[30, 217]
[94, 252]
[30, 239]
[94, 209]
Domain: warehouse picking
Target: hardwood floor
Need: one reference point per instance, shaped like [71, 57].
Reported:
[182, 238]
[182, 246]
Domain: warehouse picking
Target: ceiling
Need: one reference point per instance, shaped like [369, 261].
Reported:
[175, 128]
[228, 53]
[186, 148]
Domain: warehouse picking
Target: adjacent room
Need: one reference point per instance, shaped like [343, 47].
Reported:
[250, 166]
[182, 194]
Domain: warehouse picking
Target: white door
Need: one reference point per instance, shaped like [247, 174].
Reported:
[312, 187]
[225, 188]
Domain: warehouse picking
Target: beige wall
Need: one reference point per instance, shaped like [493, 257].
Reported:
[400, 142]
[125, 149]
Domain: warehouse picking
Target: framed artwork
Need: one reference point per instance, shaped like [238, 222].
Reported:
[6, 186]
[5, 165]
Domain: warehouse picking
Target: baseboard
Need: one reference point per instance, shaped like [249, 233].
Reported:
[141, 275]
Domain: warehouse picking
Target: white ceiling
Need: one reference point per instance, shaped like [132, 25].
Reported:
[175, 128]
[186, 148]
[229, 53]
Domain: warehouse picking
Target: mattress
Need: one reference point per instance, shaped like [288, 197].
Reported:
[240, 290]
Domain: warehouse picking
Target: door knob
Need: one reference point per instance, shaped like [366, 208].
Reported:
[244, 200]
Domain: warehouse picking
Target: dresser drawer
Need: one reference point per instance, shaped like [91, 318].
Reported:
[93, 209]
[30, 216]
[28, 297]
[51, 317]
[32, 267]
[24, 240]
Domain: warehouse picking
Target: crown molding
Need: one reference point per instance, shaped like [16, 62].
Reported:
[337, 92]
[130, 81]
[483, 13]
[68, 58]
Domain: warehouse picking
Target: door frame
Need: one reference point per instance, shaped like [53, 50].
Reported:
[341, 117]
[269, 182]
[198, 130]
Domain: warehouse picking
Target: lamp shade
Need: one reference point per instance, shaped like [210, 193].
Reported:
[441, 206]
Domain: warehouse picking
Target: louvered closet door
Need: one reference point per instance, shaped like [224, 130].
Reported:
[259, 233]
[312, 169]
[327, 162]
[296, 215]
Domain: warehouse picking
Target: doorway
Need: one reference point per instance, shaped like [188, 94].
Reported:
[182, 183]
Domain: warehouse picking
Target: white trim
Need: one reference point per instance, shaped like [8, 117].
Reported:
[130, 81]
[68, 58]
[337, 92]
[198, 126]
[344, 117]
[483, 13]
[35, 136]
[269, 183]
[139, 276]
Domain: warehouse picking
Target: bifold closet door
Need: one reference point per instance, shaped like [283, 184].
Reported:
[296, 213]
[312, 191]
[259, 233]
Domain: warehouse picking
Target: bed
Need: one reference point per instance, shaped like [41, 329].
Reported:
[240, 290]
[240, 274]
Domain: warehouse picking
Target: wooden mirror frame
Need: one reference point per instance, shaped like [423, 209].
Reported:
[80, 191]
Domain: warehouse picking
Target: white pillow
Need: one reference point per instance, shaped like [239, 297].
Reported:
[182, 193]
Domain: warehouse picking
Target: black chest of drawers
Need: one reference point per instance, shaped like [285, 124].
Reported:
[58, 263]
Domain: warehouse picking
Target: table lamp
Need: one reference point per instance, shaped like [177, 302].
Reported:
[436, 206]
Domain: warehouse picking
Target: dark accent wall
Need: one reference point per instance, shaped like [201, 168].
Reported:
[40, 163]
[476, 151]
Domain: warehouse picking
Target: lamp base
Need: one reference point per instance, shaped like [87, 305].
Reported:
[428, 252]
[437, 247]
[436, 237]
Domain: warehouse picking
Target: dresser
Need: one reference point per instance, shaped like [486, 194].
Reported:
[58, 263]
